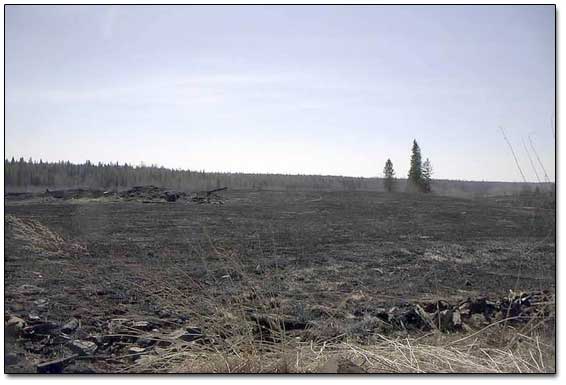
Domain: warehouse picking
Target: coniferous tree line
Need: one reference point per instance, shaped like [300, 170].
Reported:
[31, 174]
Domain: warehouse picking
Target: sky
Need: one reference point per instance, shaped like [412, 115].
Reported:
[332, 90]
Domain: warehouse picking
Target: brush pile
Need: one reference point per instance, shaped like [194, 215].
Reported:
[152, 194]
[128, 340]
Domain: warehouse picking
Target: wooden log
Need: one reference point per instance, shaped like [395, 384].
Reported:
[208, 193]
[55, 366]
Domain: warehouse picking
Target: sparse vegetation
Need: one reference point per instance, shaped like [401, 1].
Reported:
[276, 281]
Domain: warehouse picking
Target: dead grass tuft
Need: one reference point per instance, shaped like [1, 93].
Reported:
[238, 342]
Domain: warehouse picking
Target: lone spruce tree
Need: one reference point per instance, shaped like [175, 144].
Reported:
[389, 176]
[415, 180]
[427, 176]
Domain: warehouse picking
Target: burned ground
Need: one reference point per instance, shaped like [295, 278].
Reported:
[324, 266]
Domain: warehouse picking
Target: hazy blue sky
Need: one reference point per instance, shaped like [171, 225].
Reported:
[304, 89]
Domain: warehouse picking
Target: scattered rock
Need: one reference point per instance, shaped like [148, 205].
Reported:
[70, 326]
[83, 348]
[15, 326]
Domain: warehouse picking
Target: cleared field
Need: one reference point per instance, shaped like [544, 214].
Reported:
[264, 269]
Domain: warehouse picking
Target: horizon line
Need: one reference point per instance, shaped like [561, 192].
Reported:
[142, 164]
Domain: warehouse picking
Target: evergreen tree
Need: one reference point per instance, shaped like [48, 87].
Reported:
[389, 176]
[427, 176]
[415, 180]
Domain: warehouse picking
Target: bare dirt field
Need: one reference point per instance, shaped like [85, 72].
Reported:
[268, 281]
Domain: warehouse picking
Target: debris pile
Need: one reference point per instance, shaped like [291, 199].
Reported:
[151, 194]
[71, 346]
[210, 196]
[469, 314]
[144, 194]
[59, 345]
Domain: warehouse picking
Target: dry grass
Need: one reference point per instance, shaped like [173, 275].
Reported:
[433, 353]
[233, 344]
[39, 238]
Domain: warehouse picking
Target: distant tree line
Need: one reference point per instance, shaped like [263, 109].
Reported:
[32, 175]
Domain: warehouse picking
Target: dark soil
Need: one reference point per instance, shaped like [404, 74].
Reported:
[320, 265]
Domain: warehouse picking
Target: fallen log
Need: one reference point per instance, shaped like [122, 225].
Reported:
[210, 192]
[55, 366]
